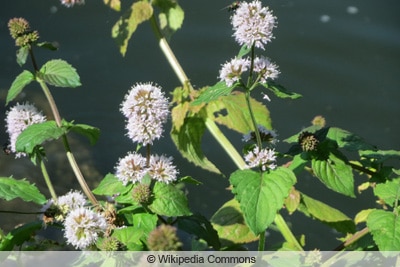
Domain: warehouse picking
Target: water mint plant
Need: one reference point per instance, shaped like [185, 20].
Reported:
[142, 203]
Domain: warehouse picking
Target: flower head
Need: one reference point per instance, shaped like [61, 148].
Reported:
[146, 110]
[162, 169]
[231, 71]
[264, 158]
[131, 168]
[164, 238]
[71, 3]
[83, 227]
[18, 118]
[265, 68]
[253, 24]
[269, 136]
[70, 201]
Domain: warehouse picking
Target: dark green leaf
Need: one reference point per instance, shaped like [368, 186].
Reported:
[22, 80]
[261, 195]
[335, 174]
[280, 91]
[109, 186]
[200, 227]
[348, 140]
[92, 133]
[213, 93]
[19, 235]
[385, 229]
[188, 142]
[169, 201]
[389, 191]
[22, 55]
[381, 155]
[11, 189]
[59, 73]
[189, 180]
[47, 45]
[36, 134]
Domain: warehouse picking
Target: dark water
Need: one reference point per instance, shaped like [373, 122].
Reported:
[342, 56]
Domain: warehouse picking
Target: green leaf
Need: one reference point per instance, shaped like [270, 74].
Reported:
[280, 91]
[171, 16]
[113, 4]
[169, 201]
[130, 236]
[188, 141]
[389, 191]
[22, 80]
[59, 73]
[122, 31]
[261, 195]
[22, 55]
[385, 229]
[244, 50]
[213, 93]
[189, 180]
[326, 214]
[381, 155]
[19, 235]
[47, 45]
[335, 174]
[92, 133]
[229, 222]
[145, 221]
[109, 186]
[201, 227]
[11, 188]
[36, 134]
[232, 112]
[348, 140]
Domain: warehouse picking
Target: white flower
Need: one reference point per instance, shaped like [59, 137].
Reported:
[131, 168]
[70, 201]
[253, 24]
[146, 110]
[18, 118]
[265, 68]
[231, 71]
[162, 169]
[264, 158]
[83, 227]
[71, 3]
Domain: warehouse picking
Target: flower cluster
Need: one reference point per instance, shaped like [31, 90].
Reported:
[18, 118]
[269, 136]
[82, 226]
[133, 167]
[264, 158]
[146, 110]
[20, 31]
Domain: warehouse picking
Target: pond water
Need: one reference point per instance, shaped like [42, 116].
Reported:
[342, 56]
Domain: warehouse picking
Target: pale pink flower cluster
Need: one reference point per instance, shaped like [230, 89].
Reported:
[264, 158]
[18, 118]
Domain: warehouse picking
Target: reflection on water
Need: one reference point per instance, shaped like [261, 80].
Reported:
[342, 56]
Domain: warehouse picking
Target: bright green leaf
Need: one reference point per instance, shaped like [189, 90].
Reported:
[130, 236]
[145, 221]
[232, 112]
[200, 227]
[244, 50]
[122, 31]
[113, 4]
[36, 134]
[22, 80]
[230, 225]
[326, 214]
[362, 216]
[213, 93]
[188, 141]
[109, 186]
[280, 91]
[385, 229]
[11, 189]
[170, 17]
[381, 155]
[389, 191]
[59, 73]
[261, 195]
[169, 201]
[348, 140]
[335, 174]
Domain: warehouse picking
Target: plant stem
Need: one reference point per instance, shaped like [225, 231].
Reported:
[253, 119]
[48, 181]
[285, 231]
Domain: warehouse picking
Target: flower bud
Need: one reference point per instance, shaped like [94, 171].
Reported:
[141, 193]
[308, 141]
[164, 238]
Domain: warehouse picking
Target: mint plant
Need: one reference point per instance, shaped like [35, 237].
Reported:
[141, 204]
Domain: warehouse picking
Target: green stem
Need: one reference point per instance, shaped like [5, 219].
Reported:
[48, 181]
[286, 232]
[253, 120]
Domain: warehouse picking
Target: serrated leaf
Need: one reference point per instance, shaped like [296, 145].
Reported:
[11, 188]
[385, 229]
[229, 222]
[348, 140]
[19, 235]
[124, 28]
[389, 191]
[201, 227]
[280, 91]
[335, 174]
[213, 93]
[261, 195]
[22, 80]
[232, 112]
[188, 141]
[145, 221]
[109, 186]
[327, 214]
[22, 55]
[59, 73]
[92, 133]
[36, 134]
[129, 236]
[169, 201]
